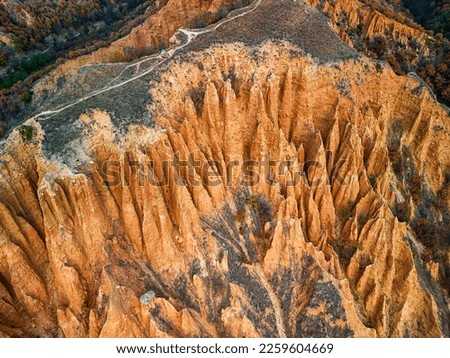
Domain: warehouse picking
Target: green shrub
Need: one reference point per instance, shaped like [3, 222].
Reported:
[26, 68]
[403, 211]
[345, 214]
[345, 249]
[27, 133]
[2, 128]
[35, 63]
[362, 219]
[26, 96]
[20, 44]
[415, 187]
[3, 59]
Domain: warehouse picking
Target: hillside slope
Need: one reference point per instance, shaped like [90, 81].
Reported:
[260, 178]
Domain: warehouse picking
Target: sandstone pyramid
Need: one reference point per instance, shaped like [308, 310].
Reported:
[260, 178]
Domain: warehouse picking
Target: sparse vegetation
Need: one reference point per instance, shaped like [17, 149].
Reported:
[3, 59]
[262, 206]
[26, 68]
[197, 94]
[20, 44]
[240, 216]
[396, 159]
[403, 211]
[345, 249]
[345, 214]
[27, 133]
[26, 96]
[2, 129]
[415, 187]
[133, 53]
[260, 213]
[362, 219]
[364, 260]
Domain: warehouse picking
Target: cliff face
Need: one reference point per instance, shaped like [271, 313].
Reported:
[270, 197]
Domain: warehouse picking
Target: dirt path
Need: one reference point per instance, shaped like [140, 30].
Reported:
[191, 34]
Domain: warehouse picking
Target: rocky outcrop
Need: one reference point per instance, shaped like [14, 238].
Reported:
[151, 234]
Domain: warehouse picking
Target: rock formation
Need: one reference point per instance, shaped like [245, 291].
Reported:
[371, 22]
[277, 190]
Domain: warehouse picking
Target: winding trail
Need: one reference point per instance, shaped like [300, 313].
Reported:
[191, 35]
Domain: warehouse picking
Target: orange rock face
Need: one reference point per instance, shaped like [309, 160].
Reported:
[274, 196]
